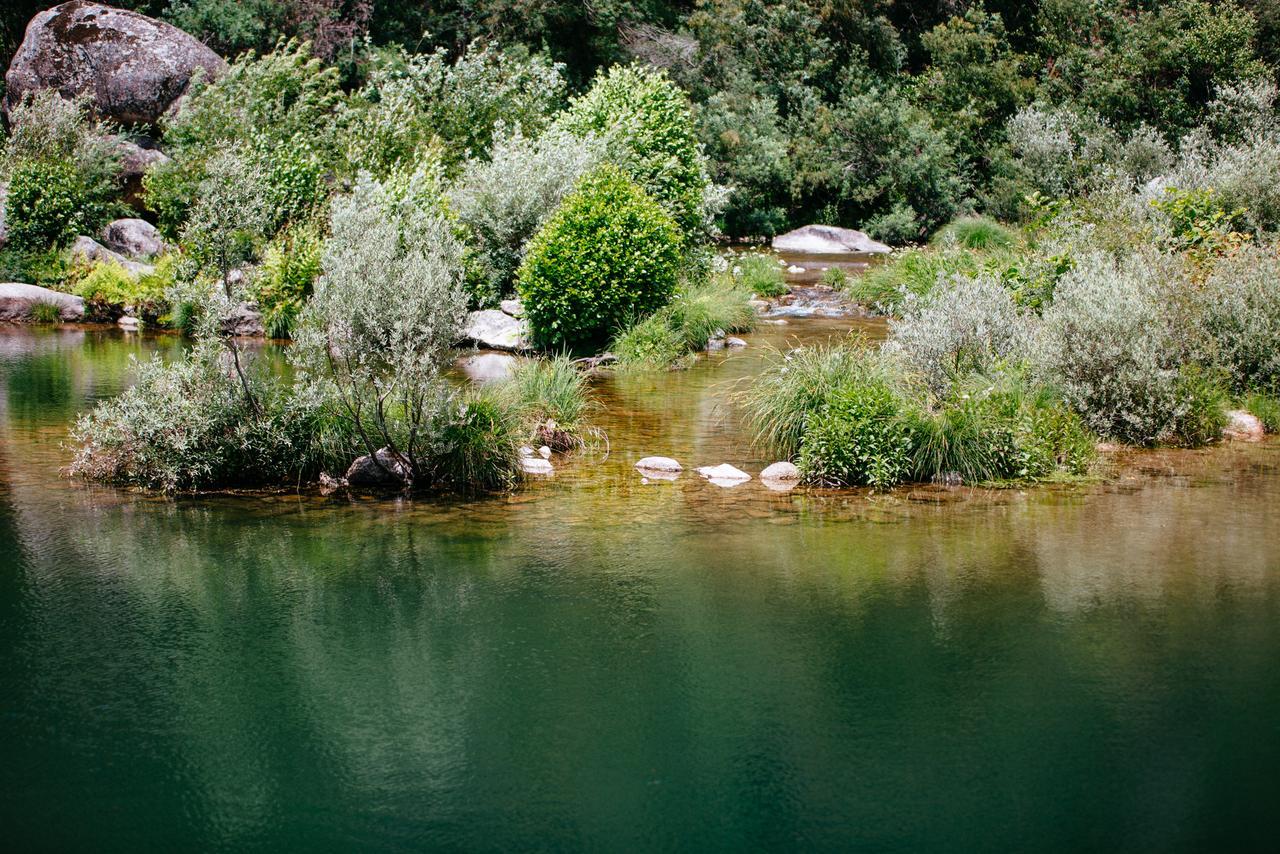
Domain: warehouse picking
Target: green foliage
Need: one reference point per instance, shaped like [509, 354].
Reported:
[112, 285]
[976, 232]
[759, 274]
[411, 104]
[49, 268]
[857, 438]
[290, 266]
[476, 446]
[699, 311]
[1205, 407]
[648, 127]
[836, 278]
[1266, 407]
[607, 254]
[46, 205]
[542, 390]
[914, 272]
[46, 312]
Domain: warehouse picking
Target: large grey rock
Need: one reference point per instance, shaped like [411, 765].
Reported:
[244, 321]
[132, 237]
[86, 250]
[135, 238]
[133, 67]
[393, 470]
[498, 331]
[137, 155]
[17, 300]
[513, 307]
[827, 239]
[784, 472]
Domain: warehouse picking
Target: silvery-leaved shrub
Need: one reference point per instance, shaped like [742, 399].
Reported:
[502, 201]
[1112, 347]
[1238, 309]
[386, 310]
[966, 324]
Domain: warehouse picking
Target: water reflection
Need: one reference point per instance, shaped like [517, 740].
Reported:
[597, 662]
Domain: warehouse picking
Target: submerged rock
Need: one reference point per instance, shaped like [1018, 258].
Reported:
[536, 466]
[487, 367]
[1243, 426]
[17, 300]
[498, 331]
[133, 237]
[393, 471]
[828, 240]
[781, 472]
[734, 343]
[132, 67]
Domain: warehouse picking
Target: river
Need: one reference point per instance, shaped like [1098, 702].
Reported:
[601, 663]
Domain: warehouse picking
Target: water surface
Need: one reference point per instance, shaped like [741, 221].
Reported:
[599, 663]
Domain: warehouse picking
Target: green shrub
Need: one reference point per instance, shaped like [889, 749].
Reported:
[46, 205]
[759, 273]
[49, 268]
[290, 266]
[858, 438]
[607, 254]
[975, 232]
[651, 343]
[1267, 409]
[1205, 402]
[798, 384]
[1238, 309]
[646, 122]
[913, 272]
[477, 446]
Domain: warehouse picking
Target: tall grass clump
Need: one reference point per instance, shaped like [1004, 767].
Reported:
[699, 312]
[551, 401]
[1266, 407]
[978, 233]
[913, 273]
[759, 273]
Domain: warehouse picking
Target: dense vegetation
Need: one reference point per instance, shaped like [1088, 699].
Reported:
[1092, 185]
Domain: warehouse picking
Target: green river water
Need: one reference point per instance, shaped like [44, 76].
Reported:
[597, 663]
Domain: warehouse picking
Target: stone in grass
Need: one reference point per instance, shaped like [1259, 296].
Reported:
[497, 331]
[544, 452]
[390, 470]
[18, 300]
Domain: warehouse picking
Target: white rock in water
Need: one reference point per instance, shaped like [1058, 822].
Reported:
[544, 452]
[127, 323]
[491, 328]
[525, 451]
[659, 464]
[724, 475]
[1243, 426]
[795, 269]
[781, 471]
[535, 465]
[827, 239]
[735, 343]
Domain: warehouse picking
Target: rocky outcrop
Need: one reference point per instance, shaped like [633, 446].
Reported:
[244, 321]
[137, 155]
[389, 471]
[828, 240]
[17, 300]
[132, 67]
[86, 250]
[496, 330]
[135, 238]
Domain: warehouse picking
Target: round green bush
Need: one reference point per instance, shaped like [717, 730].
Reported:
[45, 205]
[858, 439]
[651, 133]
[607, 255]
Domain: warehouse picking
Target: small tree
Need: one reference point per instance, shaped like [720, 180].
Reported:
[385, 313]
[610, 254]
